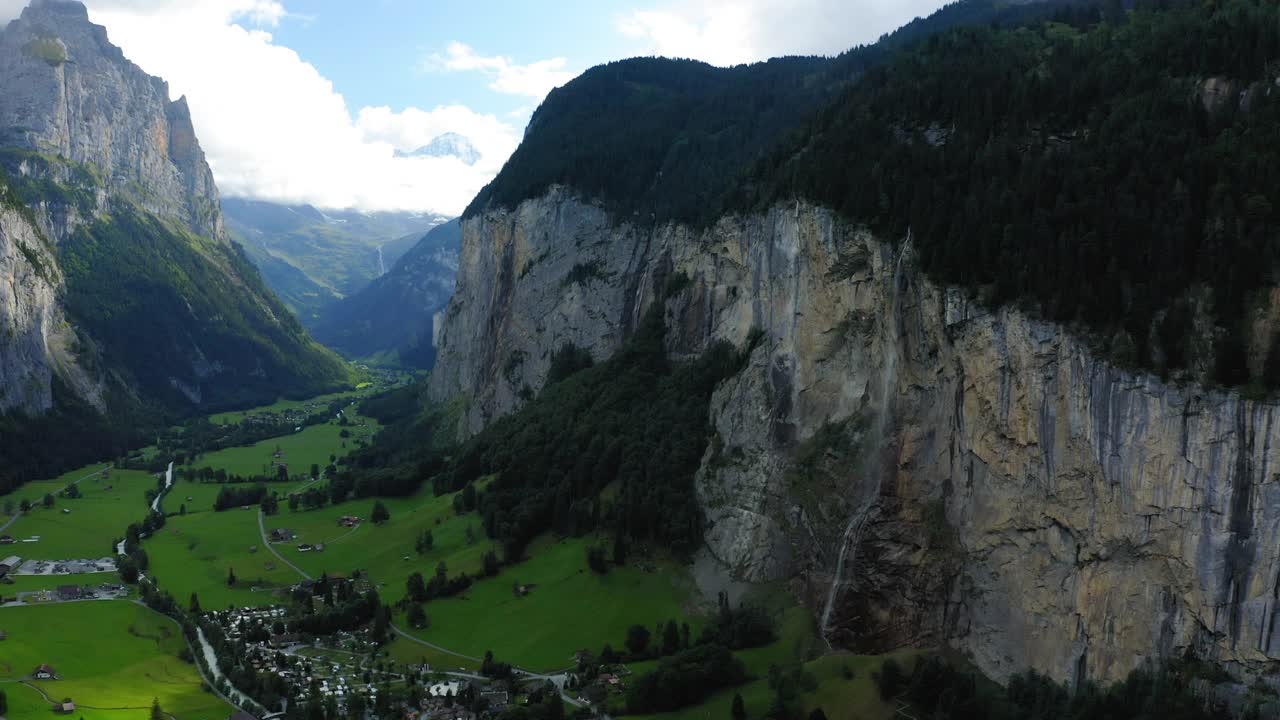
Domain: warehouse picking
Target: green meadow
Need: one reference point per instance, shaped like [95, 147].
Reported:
[96, 520]
[381, 550]
[312, 445]
[567, 608]
[283, 406]
[193, 554]
[114, 658]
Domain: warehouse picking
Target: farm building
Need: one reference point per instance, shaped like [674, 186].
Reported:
[45, 672]
[66, 707]
[9, 564]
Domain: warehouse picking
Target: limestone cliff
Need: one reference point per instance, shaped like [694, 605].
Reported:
[1001, 488]
[121, 281]
[72, 95]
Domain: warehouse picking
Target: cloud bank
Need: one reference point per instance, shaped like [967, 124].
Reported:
[730, 32]
[274, 128]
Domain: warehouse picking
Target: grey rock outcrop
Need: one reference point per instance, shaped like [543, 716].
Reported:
[70, 94]
[1014, 495]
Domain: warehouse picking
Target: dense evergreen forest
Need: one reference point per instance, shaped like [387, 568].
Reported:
[1025, 148]
[1116, 172]
[657, 139]
[612, 446]
[936, 688]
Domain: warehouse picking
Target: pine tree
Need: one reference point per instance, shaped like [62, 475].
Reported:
[231, 577]
[739, 708]
[195, 604]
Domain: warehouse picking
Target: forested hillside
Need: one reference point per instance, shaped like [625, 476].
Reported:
[1024, 149]
[1117, 173]
[657, 139]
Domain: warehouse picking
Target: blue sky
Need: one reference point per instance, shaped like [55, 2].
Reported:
[374, 52]
[319, 101]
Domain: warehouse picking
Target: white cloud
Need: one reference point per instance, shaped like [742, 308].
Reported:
[729, 32]
[534, 80]
[274, 128]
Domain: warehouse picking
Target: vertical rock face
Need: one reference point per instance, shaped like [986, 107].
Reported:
[1002, 489]
[35, 341]
[71, 94]
[112, 245]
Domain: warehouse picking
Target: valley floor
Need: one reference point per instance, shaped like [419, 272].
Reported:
[535, 615]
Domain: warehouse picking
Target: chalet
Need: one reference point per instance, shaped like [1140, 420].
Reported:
[282, 535]
[348, 521]
[7, 540]
[9, 564]
[306, 547]
[66, 707]
[45, 672]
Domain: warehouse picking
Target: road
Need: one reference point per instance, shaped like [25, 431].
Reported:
[262, 530]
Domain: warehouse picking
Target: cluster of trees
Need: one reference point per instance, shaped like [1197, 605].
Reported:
[636, 420]
[938, 689]
[440, 585]
[746, 627]
[1020, 161]
[342, 609]
[687, 678]
[234, 497]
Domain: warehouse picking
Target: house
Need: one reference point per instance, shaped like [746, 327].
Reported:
[45, 672]
[306, 547]
[348, 521]
[70, 592]
[282, 535]
[9, 564]
[7, 540]
[66, 707]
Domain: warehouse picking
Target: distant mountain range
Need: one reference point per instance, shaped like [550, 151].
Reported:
[313, 257]
[394, 316]
[446, 145]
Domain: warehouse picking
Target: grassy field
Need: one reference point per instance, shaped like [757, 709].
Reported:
[569, 607]
[310, 405]
[111, 655]
[95, 521]
[195, 552]
[381, 550]
[313, 445]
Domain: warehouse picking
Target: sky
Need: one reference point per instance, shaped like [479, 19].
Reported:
[308, 101]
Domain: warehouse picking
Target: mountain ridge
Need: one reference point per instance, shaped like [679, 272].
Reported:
[128, 295]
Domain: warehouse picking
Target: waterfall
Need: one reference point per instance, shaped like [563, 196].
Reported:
[852, 535]
[382, 266]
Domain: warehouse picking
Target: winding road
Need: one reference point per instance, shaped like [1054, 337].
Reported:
[262, 530]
